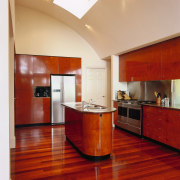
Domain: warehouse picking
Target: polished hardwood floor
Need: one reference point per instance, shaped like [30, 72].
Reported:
[44, 153]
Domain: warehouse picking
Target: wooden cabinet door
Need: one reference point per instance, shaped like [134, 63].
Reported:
[170, 65]
[154, 123]
[134, 66]
[23, 89]
[43, 66]
[173, 128]
[116, 112]
[41, 110]
[147, 121]
[154, 59]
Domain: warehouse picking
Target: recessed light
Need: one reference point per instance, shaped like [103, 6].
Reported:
[87, 26]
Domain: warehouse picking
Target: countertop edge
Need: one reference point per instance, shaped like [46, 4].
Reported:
[162, 106]
[108, 110]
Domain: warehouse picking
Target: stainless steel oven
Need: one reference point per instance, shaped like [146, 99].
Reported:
[130, 117]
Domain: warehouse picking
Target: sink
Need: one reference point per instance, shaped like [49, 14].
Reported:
[97, 107]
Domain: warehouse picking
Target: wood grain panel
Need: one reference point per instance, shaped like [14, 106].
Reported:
[173, 128]
[41, 110]
[169, 63]
[44, 153]
[43, 66]
[23, 109]
[23, 89]
[155, 65]
[155, 123]
[157, 62]
[90, 133]
[31, 71]
[97, 134]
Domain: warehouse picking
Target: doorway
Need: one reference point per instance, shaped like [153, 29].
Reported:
[96, 85]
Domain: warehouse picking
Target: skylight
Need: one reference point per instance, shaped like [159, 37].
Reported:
[77, 7]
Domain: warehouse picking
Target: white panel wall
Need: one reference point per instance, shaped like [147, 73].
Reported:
[4, 92]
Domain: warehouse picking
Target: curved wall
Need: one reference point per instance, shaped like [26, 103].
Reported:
[40, 34]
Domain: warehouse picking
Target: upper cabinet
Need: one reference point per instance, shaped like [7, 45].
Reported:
[43, 66]
[157, 62]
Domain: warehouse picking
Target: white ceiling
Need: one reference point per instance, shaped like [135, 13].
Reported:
[118, 26]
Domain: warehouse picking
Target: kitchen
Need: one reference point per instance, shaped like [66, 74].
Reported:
[33, 38]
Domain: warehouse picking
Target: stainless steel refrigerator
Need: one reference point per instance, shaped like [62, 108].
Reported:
[63, 89]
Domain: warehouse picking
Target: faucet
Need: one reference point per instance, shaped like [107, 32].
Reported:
[87, 104]
[84, 104]
[91, 102]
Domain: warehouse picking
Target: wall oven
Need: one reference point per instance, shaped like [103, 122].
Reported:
[130, 117]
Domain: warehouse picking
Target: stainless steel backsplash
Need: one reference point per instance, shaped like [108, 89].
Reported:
[144, 90]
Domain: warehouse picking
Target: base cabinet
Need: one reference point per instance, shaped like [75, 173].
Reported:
[173, 128]
[162, 125]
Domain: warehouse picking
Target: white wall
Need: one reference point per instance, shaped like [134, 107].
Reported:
[4, 92]
[115, 84]
[176, 90]
[120, 25]
[11, 83]
[39, 34]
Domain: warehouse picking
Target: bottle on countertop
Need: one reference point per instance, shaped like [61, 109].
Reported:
[158, 98]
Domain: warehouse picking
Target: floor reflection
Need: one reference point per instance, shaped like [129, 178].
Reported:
[44, 153]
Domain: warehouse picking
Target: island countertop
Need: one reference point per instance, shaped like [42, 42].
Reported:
[89, 130]
[92, 109]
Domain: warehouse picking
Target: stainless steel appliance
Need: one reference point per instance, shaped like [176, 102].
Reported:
[63, 89]
[130, 115]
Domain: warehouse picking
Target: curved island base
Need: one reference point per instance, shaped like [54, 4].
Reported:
[89, 131]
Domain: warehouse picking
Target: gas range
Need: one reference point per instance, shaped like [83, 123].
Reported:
[135, 102]
[130, 115]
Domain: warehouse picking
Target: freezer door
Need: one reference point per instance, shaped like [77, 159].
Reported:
[69, 89]
[56, 99]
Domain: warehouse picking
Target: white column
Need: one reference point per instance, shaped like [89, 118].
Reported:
[4, 92]
[115, 84]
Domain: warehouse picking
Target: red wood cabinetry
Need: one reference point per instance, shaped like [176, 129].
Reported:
[43, 66]
[91, 133]
[31, 71]
[173, 128]
[23, 89]
[154, 62]
[162, 125]
[157, 62]
[116, 112]
[41, 110]
[154, 123]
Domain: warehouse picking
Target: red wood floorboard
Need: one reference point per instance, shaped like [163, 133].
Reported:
[44, 153]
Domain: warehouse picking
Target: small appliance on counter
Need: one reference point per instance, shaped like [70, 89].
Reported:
[122, 95]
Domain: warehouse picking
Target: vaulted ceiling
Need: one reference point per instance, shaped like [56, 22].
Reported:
[117, 26]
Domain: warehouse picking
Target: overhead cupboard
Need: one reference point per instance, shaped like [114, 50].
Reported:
[156, 62]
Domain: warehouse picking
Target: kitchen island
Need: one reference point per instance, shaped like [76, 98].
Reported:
[89, 129]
